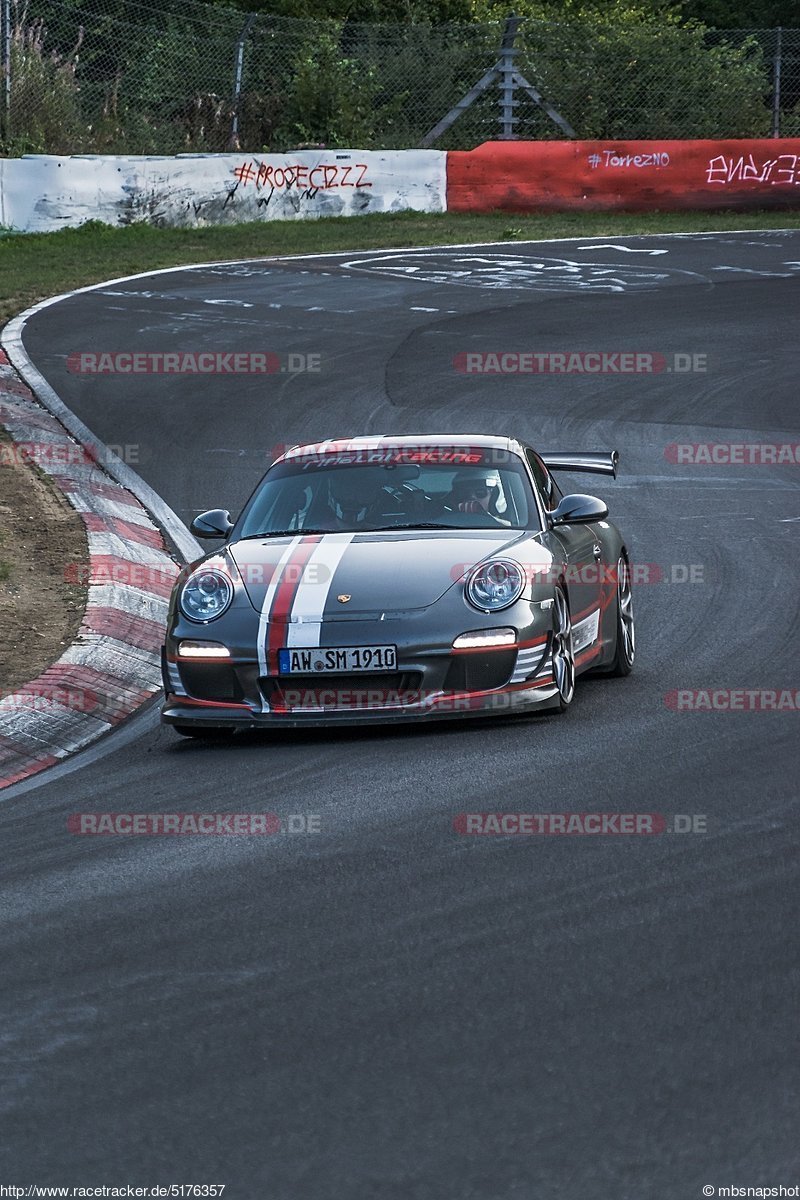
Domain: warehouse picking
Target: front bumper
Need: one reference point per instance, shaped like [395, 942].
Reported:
[434, 683]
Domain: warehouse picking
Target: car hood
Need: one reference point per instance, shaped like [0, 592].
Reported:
[383, 572]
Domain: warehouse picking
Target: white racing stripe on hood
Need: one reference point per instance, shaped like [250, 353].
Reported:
[305, 619]
[269, 596]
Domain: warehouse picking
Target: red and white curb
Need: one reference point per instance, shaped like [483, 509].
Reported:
[113, 666]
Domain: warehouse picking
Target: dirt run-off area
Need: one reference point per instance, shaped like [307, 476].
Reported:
[42, 545]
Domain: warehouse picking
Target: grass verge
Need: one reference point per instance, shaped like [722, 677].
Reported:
[42, 546]
[34, 266]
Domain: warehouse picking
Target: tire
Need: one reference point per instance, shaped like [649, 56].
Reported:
[563, 653]
[209, 733]
[625, 650]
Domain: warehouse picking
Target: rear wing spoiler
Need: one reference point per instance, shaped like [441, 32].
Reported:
[603, 462]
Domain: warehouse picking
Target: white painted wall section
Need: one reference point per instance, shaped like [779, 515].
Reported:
[40, 193]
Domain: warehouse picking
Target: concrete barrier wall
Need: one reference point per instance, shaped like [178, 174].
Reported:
[44, 192]
[39, 193]
[669, 175]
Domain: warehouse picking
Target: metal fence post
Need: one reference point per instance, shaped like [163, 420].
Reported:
[506, 75]
[506, 81]
[5, 26]
[233, 140]
[776, 85]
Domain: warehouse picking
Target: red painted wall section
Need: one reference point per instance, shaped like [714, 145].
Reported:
[558, 176]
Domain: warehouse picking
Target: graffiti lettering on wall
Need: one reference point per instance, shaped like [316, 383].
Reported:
[322, 176]
[783, 169]
[610, 158]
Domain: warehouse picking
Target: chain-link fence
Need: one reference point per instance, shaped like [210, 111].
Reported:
[168, 76]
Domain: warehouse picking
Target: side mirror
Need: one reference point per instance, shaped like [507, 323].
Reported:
[216, 523]
[579, 510]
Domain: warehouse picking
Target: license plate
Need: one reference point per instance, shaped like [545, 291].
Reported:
[316, 660]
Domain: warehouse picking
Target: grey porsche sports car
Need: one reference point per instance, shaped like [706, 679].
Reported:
[399, 579]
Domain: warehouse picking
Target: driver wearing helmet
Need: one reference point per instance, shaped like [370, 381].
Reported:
[475, 492]
[470, 492]
[352, 497]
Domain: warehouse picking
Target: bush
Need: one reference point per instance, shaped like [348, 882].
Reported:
[653, 80]
[45, 111]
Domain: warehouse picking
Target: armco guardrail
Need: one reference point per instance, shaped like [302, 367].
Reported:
[46, 192]
[41, 192]
[667, 175]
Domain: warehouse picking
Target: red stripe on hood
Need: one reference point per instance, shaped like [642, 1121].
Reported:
[283, 600]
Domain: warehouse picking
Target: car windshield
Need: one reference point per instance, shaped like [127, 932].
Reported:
[391, 488]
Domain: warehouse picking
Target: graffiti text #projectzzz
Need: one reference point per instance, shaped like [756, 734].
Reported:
[322, 176]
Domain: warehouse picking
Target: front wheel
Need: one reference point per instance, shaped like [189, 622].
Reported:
[626, 634]
[563, 653]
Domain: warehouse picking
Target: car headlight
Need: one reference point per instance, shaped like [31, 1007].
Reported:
[206, 594]
[495, 585]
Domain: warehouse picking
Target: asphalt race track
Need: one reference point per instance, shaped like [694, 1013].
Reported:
[386, 1009]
